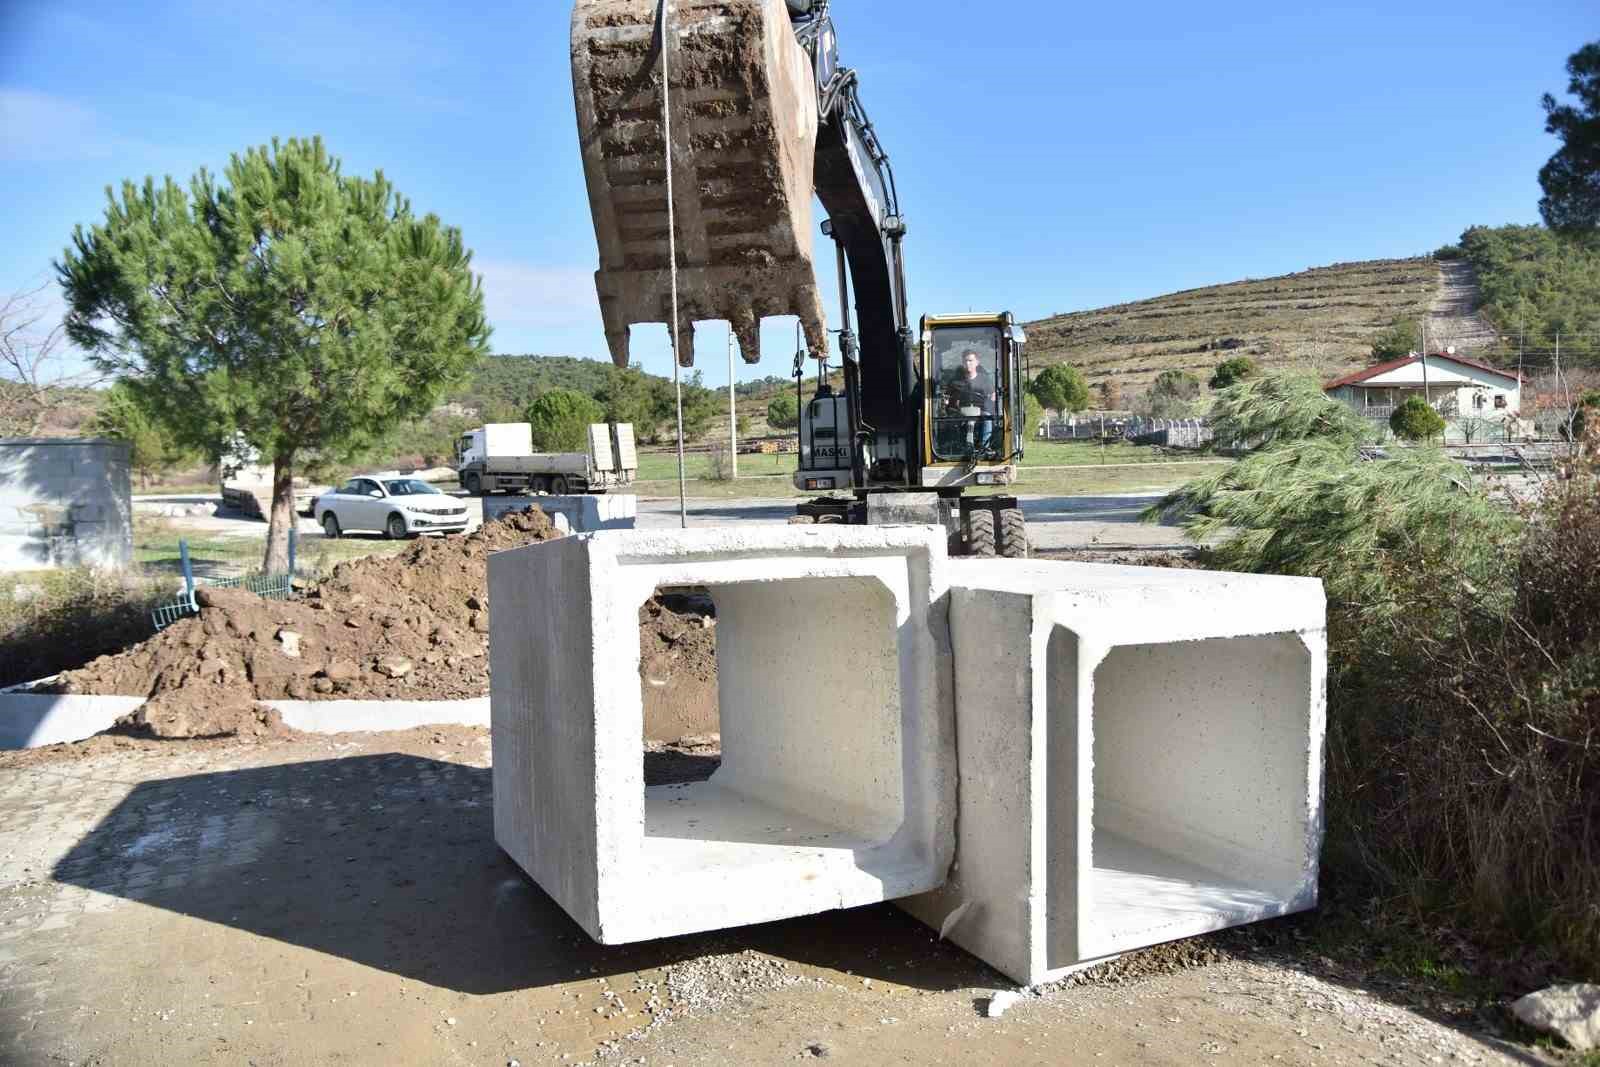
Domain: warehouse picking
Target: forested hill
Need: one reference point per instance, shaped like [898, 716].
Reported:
[1537, 287]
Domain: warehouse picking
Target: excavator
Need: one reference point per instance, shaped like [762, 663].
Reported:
[761, 117]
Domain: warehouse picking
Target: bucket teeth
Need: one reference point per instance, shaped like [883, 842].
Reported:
[744, 131]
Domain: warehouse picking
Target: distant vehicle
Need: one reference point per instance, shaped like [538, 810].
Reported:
[398, 507]
[246, 483]
[499, 457]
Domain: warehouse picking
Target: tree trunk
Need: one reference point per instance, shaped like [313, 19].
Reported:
[283, 517]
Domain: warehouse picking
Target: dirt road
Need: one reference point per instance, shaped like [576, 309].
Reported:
[1453, 320]
[1054, 522]
[342, 899]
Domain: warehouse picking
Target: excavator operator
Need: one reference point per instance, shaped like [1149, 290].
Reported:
[969, 391]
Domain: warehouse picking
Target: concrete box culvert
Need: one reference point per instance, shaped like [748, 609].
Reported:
[837, 782]
[1140, 758]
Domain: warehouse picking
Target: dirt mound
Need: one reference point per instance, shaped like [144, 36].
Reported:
[408, 627]
[413, 626]
[678, 667]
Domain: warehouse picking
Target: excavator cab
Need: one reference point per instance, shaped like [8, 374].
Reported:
[972, 399]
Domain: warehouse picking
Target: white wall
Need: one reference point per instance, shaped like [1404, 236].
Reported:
[64, 502]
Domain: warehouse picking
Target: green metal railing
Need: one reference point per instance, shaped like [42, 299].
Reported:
[184, 604]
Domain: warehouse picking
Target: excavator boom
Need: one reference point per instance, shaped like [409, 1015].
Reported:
[744, 121]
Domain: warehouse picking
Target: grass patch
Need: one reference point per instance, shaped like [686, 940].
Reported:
[53, 620]
[663, 466]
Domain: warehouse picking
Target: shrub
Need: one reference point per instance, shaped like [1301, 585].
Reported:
[784, 412]
[1463, 777]
[1172, 395]
[1232, 371]
[1415, 420]
[560, 419]
[1578, 427]
[1060, 388]
[55, 620]
[1397, 341]
[719, 465]
[1452, 251]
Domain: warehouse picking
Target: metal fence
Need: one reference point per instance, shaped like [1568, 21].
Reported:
[184, 604]
[1171, 433]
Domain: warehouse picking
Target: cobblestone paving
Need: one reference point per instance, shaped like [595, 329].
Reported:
[342, 900]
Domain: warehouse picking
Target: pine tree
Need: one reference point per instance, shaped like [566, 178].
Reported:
[289, 304]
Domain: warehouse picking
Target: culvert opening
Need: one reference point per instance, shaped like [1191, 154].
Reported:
[777, 736]
[1199, 787]
[678, 685]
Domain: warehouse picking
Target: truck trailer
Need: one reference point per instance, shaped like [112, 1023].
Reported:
[499, 458]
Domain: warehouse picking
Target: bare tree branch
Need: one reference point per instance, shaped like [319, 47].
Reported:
[33, 376]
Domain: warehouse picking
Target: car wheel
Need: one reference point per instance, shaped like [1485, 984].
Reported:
[558, 486]
[396, 527]
[473, 485]
[538, 485]
[330, 526]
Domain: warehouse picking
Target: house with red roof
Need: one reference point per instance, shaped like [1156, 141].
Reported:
[1478, 402]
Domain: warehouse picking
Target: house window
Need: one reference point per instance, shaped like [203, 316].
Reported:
[1500, 401]
[1477, 401]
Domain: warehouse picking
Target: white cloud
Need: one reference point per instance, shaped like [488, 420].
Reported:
[518, 294]
[38, 127]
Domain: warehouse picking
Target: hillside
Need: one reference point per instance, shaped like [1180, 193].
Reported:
[1323, 319]
[1536, 287]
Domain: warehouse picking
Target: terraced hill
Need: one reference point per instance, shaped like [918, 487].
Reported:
[1322, 319]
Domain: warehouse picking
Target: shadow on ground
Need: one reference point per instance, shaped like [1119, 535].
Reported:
[390, 861]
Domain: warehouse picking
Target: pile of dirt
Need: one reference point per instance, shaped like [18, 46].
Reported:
[678, 666]
[413, 626]
[409, 627]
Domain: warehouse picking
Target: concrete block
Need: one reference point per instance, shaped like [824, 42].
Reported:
[572, 514]
[29, 720]
[1141, 757]
[837, 783]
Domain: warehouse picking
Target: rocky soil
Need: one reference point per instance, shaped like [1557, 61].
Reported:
[409, 627]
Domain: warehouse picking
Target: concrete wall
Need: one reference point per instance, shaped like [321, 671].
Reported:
[64, 502]
[837, 786]
[1140, 758]
[572, 514]
[32, 720]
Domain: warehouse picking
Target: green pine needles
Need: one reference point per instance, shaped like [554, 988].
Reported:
[289, 304]
[1305, 501]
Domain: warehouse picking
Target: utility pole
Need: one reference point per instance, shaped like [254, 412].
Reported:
[733, 418]
[1426, 398]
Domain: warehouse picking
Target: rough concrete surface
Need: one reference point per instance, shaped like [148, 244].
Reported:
[1140, 755]
[324, 900]
[837, 785]
[64, 502]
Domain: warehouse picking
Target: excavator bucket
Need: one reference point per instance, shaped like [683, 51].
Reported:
[744, 133]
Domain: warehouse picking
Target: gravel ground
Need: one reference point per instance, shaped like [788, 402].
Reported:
[311, 900]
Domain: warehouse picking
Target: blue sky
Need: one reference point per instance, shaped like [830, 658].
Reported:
[1051, 156]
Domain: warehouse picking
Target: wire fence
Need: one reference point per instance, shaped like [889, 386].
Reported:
[1169, 433]
[185, 603]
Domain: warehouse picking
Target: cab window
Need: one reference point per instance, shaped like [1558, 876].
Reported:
[967, 406]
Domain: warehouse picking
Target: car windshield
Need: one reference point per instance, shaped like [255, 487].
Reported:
[410, 487]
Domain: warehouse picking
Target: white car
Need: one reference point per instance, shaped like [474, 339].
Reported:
[398, 507]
